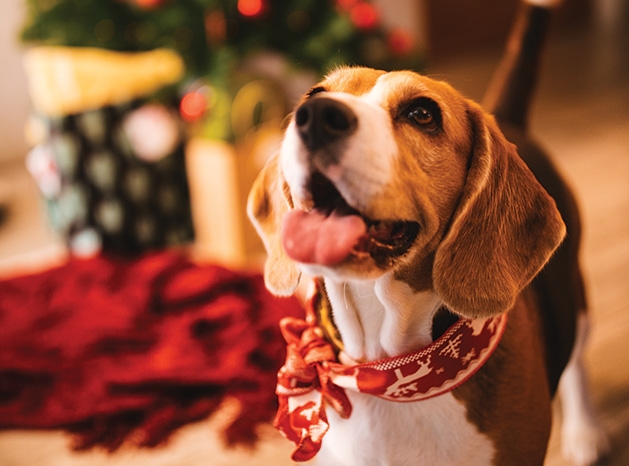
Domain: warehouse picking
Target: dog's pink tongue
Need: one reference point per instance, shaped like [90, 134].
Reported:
[313, 238]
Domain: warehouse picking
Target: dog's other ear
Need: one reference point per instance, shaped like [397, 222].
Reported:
[503, 231]
[267, 203]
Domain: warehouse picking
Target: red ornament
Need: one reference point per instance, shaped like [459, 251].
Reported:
[346, 5]
[400, 42]
[192, 106]
[215, 27]
[364, 16]
[250, 8]
[148, 4]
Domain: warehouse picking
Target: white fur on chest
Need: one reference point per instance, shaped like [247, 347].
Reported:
[424, 433]
[381, 318]
[385, 318]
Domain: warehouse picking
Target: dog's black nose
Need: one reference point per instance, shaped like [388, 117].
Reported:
[321, 121]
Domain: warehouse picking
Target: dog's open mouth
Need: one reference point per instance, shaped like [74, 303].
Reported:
[332, 231]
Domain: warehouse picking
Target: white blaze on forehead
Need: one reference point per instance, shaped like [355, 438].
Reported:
[388, 87]
[366, 164]
[379, 93]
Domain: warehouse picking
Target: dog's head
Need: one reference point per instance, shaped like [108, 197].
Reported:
[398, 173]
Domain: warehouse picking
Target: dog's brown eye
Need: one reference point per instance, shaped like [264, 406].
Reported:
[421, 116]
[423, 113]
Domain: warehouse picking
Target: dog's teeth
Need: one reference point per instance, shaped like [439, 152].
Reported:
[380, 229]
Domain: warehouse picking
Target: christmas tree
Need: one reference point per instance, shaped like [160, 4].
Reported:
[111, 80]
[213, 36]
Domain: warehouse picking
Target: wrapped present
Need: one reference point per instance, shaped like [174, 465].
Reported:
[108, 155]
[221, 172]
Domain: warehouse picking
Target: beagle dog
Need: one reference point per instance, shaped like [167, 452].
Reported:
[417, 214]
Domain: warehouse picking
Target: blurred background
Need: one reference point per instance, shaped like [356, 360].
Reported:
[103, 152]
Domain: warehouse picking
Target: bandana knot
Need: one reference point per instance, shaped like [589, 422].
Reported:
[304, 385]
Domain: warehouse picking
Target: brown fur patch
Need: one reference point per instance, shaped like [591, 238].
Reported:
[509, 398]
[356, 82]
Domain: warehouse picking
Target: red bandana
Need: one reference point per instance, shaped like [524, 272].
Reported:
[312, 376]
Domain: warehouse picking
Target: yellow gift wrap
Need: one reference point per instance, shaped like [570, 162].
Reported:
[67, 80]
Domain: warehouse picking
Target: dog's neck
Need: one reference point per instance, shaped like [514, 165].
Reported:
[381, 318]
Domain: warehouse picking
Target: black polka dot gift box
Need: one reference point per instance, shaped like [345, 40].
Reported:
[109, 157]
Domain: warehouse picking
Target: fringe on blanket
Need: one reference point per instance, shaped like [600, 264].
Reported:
[128, 350]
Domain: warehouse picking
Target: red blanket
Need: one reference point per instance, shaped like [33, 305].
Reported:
[117, 350]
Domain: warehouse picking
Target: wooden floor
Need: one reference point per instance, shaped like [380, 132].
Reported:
[581, 115]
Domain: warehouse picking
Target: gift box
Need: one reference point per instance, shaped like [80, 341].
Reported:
[108, 151]
[222, 169]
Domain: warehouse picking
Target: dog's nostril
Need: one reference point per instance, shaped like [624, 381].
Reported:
[336, 119]
[302, 116]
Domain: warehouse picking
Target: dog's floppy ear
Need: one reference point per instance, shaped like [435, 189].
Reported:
[503, 231]
[267, 203]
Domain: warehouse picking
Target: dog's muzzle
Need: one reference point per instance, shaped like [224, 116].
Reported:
[331, 230]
